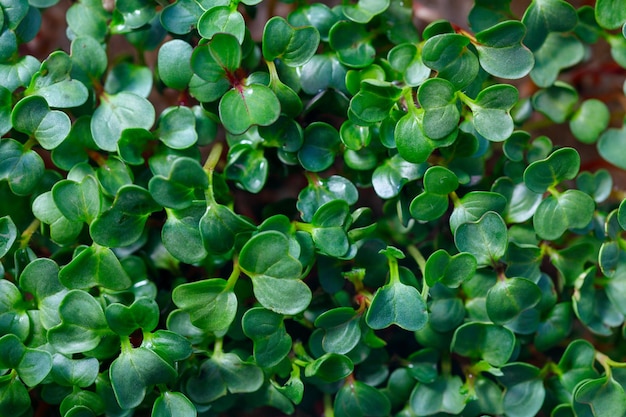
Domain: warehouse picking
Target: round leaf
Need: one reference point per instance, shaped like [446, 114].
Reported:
[510, 297]
[245, 106]
[486, 341]
[486, 239]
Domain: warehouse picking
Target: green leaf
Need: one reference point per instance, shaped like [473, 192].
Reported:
[525, 393]
[53, 82]
[319, 192]
[6, 104]
[589, 121]
[599, 397]
[406, 59]
[95, 266]
[23, 169]
[439, 101]
[491, 110]
[448, 54]
[222, 19]
[399, 304]
[245, 106]
[134, 371]
[621, 215]
[171, 60]
[275, 273]
[181, 16]
[173, 404]
[451, 271]
[341, 329]
[328, 231]
[351, 42]
[357, 399]
[444, 395]
[557, 102]
[610, 14]
[440, 180]
[474, 205]
[570, 210]
[389, 178]
[177, 127]
[123, 224]
[130, 78]
[78, 202]
[32, 365]
[486, 239]
[321, 141]
[293, 45]
[559, 51]
[79, 372]
[32, 116]
[562, 164]
[211, 303]
[219, 227]
[322, 72]
[142, 314]
[272, 343]
[221, 374]
[330, 367]
[501, 53]
[179, 189]
[62, 230]
[117, 112]
[486, 341]
[428, 206]
[14, 397]
[8, 235]
[545, 16]
[598, 185]
[374, 101]
[89, 59]
[412, 143]
[610, 144]
[365, 10]
[82, 324]
[510, 297]
[555, 328]
[247, 166]
[18, 73]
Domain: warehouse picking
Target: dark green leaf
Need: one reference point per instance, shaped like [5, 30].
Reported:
[510, 297]
[321, 141]
[562, 164]
[610, 13]
[501, 53]
[486, 239]
[399, 304]
[559, 51]
[211, 304]
[545, 16]
[589, 120]
[95, 266]
[439, 100]
[293, 45]
[350, 41]
[82, 324]
[117, 112]
[222, 19]
[78, 201]
[609, 145]
[444, 395]
[23, 169]
[123, 224]
[357, 399]
[570, 210]
[486, 341]
[8, 234]
[449, 56]
[134, 372]
[451, 271]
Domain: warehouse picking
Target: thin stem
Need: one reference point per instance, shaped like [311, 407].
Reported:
[421, 263]
[234, 276]
[28, 233]
[209, 167]
[328, 406]
[217, 347]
